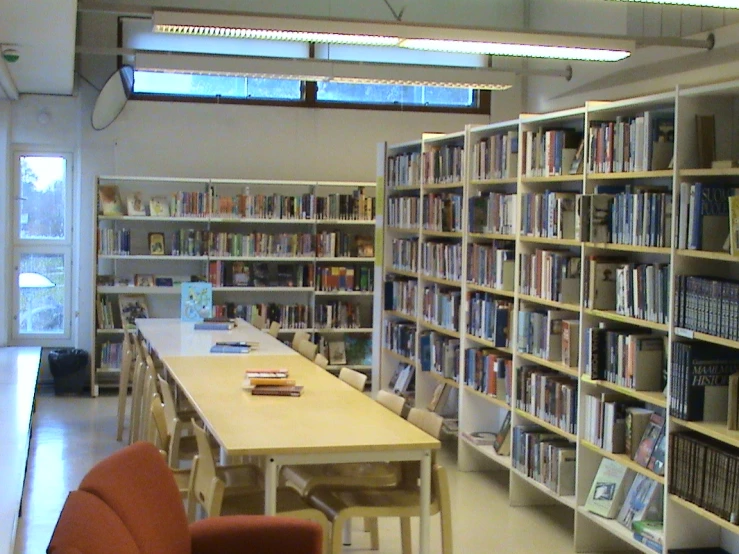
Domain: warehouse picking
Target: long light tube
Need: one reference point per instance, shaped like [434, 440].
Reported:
[728, 4]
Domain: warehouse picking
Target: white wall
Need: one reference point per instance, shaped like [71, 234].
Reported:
[5, 195]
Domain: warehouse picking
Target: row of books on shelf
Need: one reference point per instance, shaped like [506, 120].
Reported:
[550, 152]
[404, 212]
[341, 244]
[489, 318]
[495, 157]
[400, 337]
[404, 254]
[548, 334]
[404, 170]
[442, 260]
[704, 382]
[111, 355]
[628, 358]
[545, 457]
[400, 296]
[548, 395]
[338, 314]
[439, 354]
[704, 213]
[403, 380]
[491, 265]
[443, 164]
[551, 275]
[355, 206]
[241, 274]
[345, 278]
[349, 349]
[707, 305]
[641, 143]
[441, 307]
[442, 212]
[488, 372]
[492, 213]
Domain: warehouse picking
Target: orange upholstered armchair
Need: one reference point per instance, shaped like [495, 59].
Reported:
[129, 504]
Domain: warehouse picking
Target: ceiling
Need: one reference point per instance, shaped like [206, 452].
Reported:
[43, 33]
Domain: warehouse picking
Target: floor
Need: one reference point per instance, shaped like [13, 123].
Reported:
[72, 433]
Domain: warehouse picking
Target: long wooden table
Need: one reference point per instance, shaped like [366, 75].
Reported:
[330, 423]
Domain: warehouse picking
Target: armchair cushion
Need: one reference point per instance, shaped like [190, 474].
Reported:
[88, 526]
[138, 486]
[256, 535]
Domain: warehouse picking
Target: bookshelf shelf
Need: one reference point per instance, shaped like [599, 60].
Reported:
[491, 236]
[358, 367]
[402, 230]
[688, 334]
[290, 330]
[400, 315]
[616, 529]
[281, 259]
[728, 172]
[345, 259]
[263, 289]
[550, 240]
[443, 186]
[707, 255]
[438, 377]
[556, 366]
[484, 182]
[613, 316]
[104, 289]
[615, 247]
[403, 272]
[440, 281]
[399, 357]
[553, 179]
[110, 331]
[400, 190]
[487, 397]
[705, 514]
[345, 330]
[138, 257]
[624, 460]
[443, 330]
[489, 452]
[714, 429]
[655, 398]
[154, 218]
[344, 293]
[442, 234]
[659, 174]
[547, 302]
[545, 424]
[488, 344]
[482, 288]
[261, 220]
[345, 222]
[568, 501]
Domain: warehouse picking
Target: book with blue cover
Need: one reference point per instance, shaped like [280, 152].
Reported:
[230, 348]
[196, 301]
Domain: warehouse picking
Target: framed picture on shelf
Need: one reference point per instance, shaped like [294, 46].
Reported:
[110, 200]
[159, 206]
[164, 281]
[132, 307]
[135, 204]
[336, 351]
[143, 280]
[156, 244]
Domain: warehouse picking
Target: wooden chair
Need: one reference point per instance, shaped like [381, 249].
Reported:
[308, 349]
[126, 362]
[209, 491]
[258, 320]
[354, 378]
[321, 360]
[274, 329]
[179, 445]
[137, 390]
[391, 401]
[401, 501]
[299, 337]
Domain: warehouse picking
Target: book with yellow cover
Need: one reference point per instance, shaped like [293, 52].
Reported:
[734, 225]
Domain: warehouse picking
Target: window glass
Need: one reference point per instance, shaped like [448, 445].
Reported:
[152, 82]
[42, 294]
[43, 194]
[394, 94]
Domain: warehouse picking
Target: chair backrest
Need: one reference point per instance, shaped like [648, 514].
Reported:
[308, 349]
[129, 354]
[159, 423]
[428, 421]
[258, 320]
[354, 378]
[170, 412]
[137, 485]
[299, 337]
[321, 360]
[274, 328]
[392, 402]
[207, 489]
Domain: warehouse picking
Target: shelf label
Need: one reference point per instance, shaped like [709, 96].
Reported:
[686, 333]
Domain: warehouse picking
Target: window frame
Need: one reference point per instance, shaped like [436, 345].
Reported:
[21, 246]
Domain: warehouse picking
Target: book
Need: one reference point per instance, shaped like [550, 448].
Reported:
[250, 382]
[109, 199]
[657, 459]
[336, 352]
[570, 346]
[214, 325]
[480, 438]
[159, 206]
[222, 348]
[608, 488]
[132, 307]
[705, 134]
[358, 350]
[135, 204]
[196, 301]
[438, 398]
[649, 439]
[266, 373]
[647, 541]
[734, 225]
[651, 528]
[278, 390]
[636, 421]
[502, 442]
[643, 501]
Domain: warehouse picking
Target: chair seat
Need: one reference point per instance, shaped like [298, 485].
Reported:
[240, 479]
[369, 502]
[289, 502]
[304, 478]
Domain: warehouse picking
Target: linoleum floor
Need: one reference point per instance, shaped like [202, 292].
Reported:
[72, 433]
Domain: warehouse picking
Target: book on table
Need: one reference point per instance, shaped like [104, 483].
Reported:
[230, 348]
[278, 390]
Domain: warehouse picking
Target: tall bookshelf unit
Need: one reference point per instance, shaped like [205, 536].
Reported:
[564, 251]
[302, 250]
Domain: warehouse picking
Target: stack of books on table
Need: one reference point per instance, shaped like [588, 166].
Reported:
[270, 382]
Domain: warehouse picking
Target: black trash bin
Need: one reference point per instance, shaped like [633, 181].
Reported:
[69, 368]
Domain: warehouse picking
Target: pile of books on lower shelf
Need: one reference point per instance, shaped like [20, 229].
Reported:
[270, 382]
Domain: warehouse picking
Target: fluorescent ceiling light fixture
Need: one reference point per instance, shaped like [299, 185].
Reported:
[728, 4]
[327, 70]
[517, 50]
[421, 37]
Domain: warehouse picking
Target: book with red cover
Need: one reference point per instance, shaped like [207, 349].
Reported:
[277, 390]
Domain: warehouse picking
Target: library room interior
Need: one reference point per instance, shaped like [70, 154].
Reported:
[343, 276]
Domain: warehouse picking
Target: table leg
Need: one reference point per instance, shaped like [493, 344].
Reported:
[424, 523]
[270, 487]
